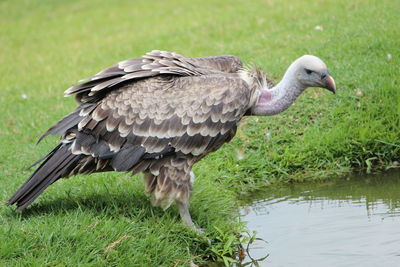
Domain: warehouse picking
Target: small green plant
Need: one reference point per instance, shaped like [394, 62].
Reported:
[226, 246]
[231, 247]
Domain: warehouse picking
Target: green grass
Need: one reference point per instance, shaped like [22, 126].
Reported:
[105, 219]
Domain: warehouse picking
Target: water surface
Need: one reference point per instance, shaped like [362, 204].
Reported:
[348, 222]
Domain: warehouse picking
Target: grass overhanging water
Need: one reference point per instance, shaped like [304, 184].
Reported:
[105, 219]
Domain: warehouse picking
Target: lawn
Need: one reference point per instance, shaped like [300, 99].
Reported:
[106, 219]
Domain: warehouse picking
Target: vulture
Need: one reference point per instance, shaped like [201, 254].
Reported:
[160, 114]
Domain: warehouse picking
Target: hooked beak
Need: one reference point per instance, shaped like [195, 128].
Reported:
[329, 82]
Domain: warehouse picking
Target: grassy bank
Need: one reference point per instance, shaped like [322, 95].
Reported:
[106, 219]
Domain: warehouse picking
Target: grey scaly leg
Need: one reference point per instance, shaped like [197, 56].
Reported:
[185, 215]
[187, 220]
[184, 211]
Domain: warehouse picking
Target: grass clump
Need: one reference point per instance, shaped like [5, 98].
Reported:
[106, 219]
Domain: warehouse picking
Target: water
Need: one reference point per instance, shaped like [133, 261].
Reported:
[350, 222]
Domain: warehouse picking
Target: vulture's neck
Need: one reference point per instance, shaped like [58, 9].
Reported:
[279, 98]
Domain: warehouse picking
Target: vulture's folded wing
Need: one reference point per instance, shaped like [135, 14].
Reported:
[192, 115]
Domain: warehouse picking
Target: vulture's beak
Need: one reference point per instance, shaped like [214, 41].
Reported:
[329, 82]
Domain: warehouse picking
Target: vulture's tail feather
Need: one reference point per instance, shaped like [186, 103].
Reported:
[45, 156]
[58, 164]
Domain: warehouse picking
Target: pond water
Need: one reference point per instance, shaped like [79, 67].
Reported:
[348, 222]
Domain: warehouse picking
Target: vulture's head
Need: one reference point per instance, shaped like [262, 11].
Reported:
[311, 71]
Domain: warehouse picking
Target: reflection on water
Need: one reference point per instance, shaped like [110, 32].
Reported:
[352, 222]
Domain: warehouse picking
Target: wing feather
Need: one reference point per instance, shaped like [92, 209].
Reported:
[186, 130]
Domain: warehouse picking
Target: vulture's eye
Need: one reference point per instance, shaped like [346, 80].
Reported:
[308, 71]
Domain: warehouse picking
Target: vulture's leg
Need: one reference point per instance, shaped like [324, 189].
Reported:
[185, 214]
[184, 210]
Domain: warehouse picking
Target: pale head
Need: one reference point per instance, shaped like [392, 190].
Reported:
[311, 71]
[306, 71]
